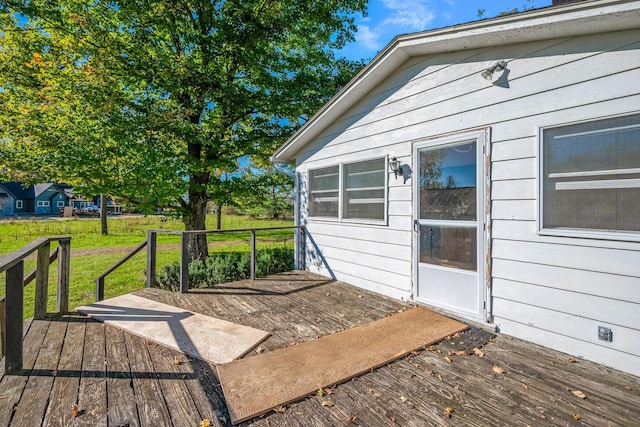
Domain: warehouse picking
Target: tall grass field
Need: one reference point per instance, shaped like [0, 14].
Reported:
[92, 253]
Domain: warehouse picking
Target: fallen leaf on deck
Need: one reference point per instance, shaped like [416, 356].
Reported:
[279, 409]
[497, 369]
[628, 388]
[461, 353]
[259, 350]
[205, 423]
[403, 399]
[176, 361]
[54, 372]
[447, 359]
[327, 403]
[448, 411]
[572, 360]
[578, 393]
[327, 294]
[3, 397]
[576, 416]
[359, 296]
[440, 377]
[320, 392]
[74, 411]
[478, 352]
[352, 419]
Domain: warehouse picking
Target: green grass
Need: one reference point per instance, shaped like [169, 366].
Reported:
[128, 231]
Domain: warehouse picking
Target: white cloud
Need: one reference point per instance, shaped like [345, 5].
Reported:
[368, 38]
[408, 15]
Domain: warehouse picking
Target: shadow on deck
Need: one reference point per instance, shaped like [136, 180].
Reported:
[118, 379]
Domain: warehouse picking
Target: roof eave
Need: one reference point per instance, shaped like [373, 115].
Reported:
[574, 19]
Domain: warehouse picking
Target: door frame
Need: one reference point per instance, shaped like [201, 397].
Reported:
[483, 200]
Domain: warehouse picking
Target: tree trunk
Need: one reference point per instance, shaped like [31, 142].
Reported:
[218, 217]
[104, 227]
[195, 220]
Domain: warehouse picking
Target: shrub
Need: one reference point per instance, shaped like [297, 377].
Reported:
[226, 267]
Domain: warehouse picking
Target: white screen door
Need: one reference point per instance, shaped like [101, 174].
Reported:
[449, 224]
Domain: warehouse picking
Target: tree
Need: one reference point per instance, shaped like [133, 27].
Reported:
[267, 193]
[178, 91]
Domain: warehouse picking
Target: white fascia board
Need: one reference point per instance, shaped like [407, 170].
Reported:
[571, 20]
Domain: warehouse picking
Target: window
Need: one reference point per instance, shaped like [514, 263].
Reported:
[60, 204]
[352, 191]
[324, 188]
[591, 177]
[364, 185]
[43, 203]
[18, 204]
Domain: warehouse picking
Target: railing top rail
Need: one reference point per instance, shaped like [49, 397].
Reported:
[235, 230]
[123, 260]
[8, 261]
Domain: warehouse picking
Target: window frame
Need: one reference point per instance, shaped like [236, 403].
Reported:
[19, 204]
[582, 233]
[43, 204]
[342, 194]
[60, 204]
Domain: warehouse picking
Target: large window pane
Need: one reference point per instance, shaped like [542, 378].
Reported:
[448, 183]
[364, 190]
[324, 190]
[591, 175]
[454, 247]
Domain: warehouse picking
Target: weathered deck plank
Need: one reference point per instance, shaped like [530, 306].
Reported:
[92, 396]
[109, 374]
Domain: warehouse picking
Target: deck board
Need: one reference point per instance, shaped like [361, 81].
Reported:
[108, 372]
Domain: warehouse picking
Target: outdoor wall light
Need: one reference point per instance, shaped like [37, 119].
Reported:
[498, 66]
[394, 165]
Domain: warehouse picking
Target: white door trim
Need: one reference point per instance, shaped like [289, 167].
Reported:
[482, 138]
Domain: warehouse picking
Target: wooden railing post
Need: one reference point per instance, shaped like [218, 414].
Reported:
[253, 254]
[42, 282]
[3, 329]
[64, 261]
[184, 263]
[100, 288]
[14, 315]
[152, 238]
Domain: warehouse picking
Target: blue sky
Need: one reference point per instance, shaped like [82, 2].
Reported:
[389, 18]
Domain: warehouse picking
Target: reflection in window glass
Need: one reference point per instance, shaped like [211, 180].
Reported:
[448, 182]
[324, 189]
[591, 175]
[454, 247]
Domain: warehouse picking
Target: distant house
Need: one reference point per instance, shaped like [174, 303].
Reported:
[48, 199]
[15, 198]
[490, 170]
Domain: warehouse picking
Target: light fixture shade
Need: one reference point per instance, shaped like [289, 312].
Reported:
[394, 165]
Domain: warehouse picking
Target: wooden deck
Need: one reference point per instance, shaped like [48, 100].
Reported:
[117, 379]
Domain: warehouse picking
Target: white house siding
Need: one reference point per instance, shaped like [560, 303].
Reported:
[553, 291]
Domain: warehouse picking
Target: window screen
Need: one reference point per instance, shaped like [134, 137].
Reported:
[591, 176]
[324, 190]
[364, 185]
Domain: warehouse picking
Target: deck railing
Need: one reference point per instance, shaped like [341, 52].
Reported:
[12, 304]
[151, 244]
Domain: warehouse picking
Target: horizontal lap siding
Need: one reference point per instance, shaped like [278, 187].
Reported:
[551, 290]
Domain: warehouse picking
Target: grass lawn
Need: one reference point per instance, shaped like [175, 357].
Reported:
[124, 232]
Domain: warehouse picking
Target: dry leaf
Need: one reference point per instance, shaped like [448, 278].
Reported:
[448, 411]
[320, 392]
[440, 377]
[327, 403]
[280, 409]
[576, 416]
[626, 388]
[497, 369]
[461, 353]
[3, 397]
[403, 399]
[578, 393]
[478, 352]
[205, 423]
[259, 350]
[572, 360]
[74, 411]
[352, 419]
[447, 359]
[328, 391]
[54, 372]
[327, 294]
[359, 296]
[176, 361]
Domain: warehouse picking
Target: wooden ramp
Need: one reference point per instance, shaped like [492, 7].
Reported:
[257, 384]
[207, 338]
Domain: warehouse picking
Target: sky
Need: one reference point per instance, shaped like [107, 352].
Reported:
[389, 18]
